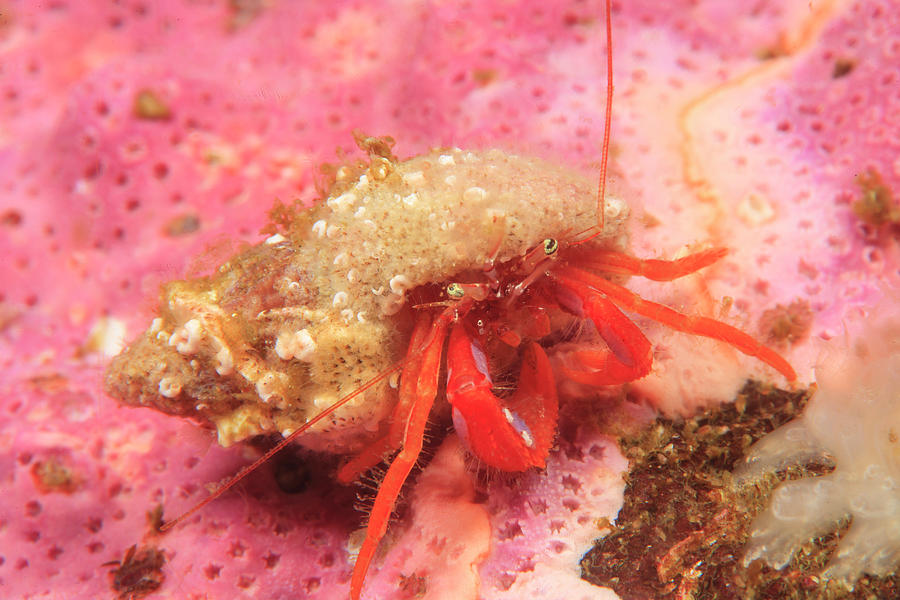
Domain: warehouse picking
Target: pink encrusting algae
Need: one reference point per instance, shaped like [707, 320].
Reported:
[729, 127]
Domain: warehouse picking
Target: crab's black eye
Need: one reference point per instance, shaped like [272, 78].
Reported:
[455, 291]
[550, 246]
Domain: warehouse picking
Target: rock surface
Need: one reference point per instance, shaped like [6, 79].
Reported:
[138, 136]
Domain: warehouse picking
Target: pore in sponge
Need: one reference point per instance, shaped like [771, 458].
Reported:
[854, 420]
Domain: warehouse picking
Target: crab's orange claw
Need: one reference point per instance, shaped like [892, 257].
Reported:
[512, 434]
[629, 354]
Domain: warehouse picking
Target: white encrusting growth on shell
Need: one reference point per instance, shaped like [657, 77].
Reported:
[155, 325]
[415, 178]
[303, 294]
[225, 361]
[399, 284]
[323, 401]
[474, 194]
[169, 387]
[295, 344]
[342, 202]
[266, 386]
[613, 207]
[340, 299]
[392, 305]
[186, 339]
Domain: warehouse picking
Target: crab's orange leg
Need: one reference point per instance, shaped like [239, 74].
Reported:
[680, 322]
[658, 270]
[418, 387]
[424, 339]
[377, 450]
[628, 356]
[370, 456]
[514, 433]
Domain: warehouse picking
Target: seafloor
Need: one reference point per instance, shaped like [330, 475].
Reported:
[145, 141]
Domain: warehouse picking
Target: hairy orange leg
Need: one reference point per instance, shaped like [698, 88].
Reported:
[418, 387]
[377, 450]
[370, 456]
[658, 270]
[628, 356]
[680, 322]
[512, 434]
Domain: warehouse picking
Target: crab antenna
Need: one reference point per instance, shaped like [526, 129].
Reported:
[607, 121]
[265, 457]
[604, 153]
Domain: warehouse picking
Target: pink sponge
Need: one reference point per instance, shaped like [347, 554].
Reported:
[82, 477]
[137, 136]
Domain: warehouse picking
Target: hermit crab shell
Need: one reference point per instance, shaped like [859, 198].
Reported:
[287, 327]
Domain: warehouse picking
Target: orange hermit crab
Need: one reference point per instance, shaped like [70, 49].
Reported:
[464, 263]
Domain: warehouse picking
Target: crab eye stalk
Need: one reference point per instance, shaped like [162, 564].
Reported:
[551, 245]
[456, 291]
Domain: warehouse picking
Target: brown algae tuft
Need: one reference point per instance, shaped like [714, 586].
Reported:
[786, 325]
[149, 105]
[683, 527]
[138, 574]
[55, 474]
[876, 205]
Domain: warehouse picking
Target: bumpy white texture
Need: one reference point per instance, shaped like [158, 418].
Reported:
[287, 327]
[854, 419]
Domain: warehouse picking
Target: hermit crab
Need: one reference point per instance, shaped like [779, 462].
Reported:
[452, 276]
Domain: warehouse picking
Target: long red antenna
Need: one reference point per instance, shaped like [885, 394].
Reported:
[265, 457]
[604, 151]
